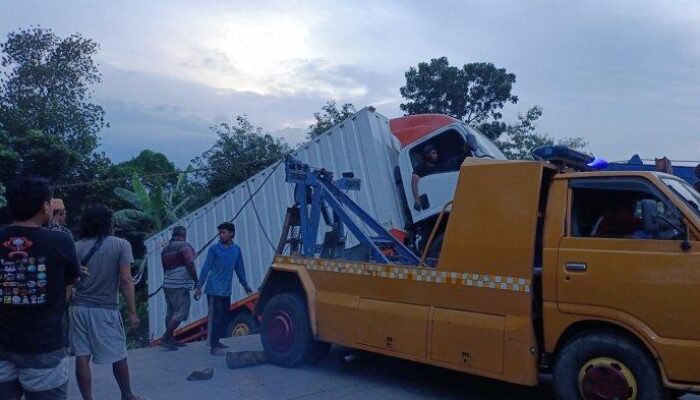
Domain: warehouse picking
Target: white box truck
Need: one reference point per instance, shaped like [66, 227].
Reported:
[382, 153]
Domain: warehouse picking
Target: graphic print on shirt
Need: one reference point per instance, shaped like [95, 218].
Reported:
[23, 279]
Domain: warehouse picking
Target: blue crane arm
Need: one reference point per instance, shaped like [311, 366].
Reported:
[316, 191]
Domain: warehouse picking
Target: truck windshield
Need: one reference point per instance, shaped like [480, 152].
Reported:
[485, 147]
[685, 191]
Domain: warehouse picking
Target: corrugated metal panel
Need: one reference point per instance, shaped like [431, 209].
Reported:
[362, 144]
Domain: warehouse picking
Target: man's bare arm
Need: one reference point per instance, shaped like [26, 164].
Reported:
[192, 270]
[127, 287]
[414, 188]
[188, 256]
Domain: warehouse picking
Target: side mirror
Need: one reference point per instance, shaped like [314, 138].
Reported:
[650, 216]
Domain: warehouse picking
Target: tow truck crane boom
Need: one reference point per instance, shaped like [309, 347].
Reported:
[316, 191]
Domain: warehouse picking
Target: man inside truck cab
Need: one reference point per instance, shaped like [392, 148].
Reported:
[432, 163]
[620, 220]
[429, 165]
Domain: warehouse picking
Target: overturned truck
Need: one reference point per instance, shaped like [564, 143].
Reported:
[384, 153]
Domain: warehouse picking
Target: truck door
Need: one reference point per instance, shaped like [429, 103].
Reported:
[482, 319]
[611, 268]
[437, 185]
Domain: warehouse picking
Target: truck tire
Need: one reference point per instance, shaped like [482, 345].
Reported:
[242, 324]
[606, 365]
[286, 331]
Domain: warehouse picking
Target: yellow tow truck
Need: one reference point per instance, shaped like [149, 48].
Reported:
[545, 266]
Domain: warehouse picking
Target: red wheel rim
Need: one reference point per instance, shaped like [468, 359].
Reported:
[607, 379]
[281, 331]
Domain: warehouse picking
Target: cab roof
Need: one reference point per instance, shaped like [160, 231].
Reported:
[411, 128]
[470, 161]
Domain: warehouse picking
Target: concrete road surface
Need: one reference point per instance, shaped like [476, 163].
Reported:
[161, 375]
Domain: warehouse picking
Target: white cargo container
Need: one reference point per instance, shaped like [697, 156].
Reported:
[362, 144]
[380, 152]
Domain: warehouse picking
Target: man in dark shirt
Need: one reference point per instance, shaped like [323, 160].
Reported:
[429, 165]
[36, 266]
[179, 277]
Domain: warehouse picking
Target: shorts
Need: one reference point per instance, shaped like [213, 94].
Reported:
[178, 302]
[97, 332]
[42, 376]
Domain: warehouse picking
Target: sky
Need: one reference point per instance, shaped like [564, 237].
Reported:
[623, 74]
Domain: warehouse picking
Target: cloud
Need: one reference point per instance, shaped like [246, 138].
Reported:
[174, 116]
[624, 74]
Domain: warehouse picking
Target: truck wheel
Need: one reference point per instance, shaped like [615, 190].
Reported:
[242, 324]
[602, 365]
[286, 332]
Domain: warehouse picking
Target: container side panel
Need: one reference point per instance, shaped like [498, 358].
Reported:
[362, 144]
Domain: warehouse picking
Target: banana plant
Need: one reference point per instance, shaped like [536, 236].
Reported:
[155, 206]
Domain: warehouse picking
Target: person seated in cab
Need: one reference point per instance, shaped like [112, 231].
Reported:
[433, 164]
[430, 164]
[619, 221]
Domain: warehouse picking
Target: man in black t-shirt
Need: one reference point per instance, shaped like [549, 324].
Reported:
[429, 165]
[36, 265]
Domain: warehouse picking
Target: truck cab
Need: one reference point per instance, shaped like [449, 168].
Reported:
[591, 276]
[454, 141]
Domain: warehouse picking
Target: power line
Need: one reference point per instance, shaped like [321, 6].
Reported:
[257, 216]
[158, 174]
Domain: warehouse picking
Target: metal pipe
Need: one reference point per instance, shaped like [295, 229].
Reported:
[432, 234]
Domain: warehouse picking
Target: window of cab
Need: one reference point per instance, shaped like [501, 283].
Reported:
[451, 149]
[622, 208]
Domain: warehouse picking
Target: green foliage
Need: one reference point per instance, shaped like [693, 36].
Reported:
[36, 152]
[329, 116]
[151, 163]
[47, 120]
[521, 138]
[474, 93]
[46, 87]
[154, 208]
[240, 151]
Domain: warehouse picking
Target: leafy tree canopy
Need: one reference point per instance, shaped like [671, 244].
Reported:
[46, 87]
[474, 93]
[329, 116]
[240, 151]
[36, 152]
[521, 138]
[149, 162]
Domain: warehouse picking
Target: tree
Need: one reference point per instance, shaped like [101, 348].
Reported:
[240, 151]
[46, 87]
[49, 125]
[521, 138]
[152, 163]
[329, 116]
[474, 93]
[155, 208]
[35, 152]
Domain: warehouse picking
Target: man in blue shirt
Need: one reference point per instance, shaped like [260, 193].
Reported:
[222, 260]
